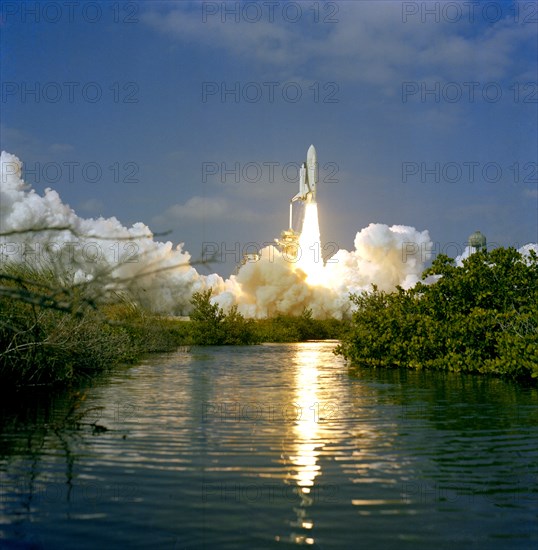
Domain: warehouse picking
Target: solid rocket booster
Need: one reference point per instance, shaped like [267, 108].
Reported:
[308, 177]
[312, 170]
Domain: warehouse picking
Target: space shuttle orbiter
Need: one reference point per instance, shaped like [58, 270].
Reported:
[308, 177]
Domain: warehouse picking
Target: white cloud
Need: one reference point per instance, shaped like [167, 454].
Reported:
[91, 206]
[369, 44]
[61, 147]
[216, 209]
[531, 193]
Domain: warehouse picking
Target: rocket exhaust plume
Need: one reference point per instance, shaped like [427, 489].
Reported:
[309, 258]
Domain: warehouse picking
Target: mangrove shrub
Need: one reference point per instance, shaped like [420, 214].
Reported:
[479, 317]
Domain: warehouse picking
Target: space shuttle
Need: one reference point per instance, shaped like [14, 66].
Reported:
[308, 177]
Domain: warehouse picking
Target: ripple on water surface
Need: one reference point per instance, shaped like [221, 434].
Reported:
[271, 446]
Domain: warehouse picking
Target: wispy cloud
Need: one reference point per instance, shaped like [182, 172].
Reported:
[197, 209]
[531, 194]
[370, 43]
[61, 147]
[91, 206]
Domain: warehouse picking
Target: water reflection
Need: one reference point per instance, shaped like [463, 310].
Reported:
[230, 447]
[307, 441]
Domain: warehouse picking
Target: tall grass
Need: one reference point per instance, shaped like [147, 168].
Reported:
[52, 331]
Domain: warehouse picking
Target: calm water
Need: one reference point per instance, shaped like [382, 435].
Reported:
[270, 447]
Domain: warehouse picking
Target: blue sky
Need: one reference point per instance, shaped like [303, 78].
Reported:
[385, 96]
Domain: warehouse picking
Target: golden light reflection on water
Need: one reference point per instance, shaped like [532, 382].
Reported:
[368, 458]
[306, 427]
[307, 439]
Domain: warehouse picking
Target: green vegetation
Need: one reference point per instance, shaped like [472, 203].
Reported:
[52, 331]
[212, 327]
[481, 317]
[287, 328]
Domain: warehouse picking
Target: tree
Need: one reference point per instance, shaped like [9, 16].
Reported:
[207, 320]
[211, 326]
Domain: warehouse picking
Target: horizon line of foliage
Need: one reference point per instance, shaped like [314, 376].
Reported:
[53, 332]
[481, 317]
[212, 326]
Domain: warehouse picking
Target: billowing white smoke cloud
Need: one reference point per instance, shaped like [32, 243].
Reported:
[385, 256]
[161, 276]
[102, 249]
[276, 284]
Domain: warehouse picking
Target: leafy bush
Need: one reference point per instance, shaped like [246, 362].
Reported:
[211, 326]
[480, 317]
